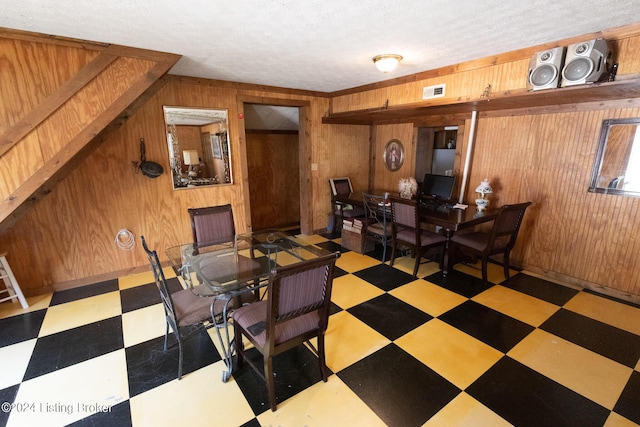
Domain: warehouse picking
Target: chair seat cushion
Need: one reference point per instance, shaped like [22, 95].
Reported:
[427, 238]
[478, 241]
[252, 318]
[379, 229]
[192, 309]
[355, 212]
[475, 241]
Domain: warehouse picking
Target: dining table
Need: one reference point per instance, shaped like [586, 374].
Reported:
[452, 220]
[226, 271]
[449, 217]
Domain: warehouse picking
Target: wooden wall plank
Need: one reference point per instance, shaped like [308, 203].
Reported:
[29, 75]
[53, 102]
[547, 159]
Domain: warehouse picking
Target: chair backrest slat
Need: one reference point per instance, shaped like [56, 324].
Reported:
[340, 186]
[405, 212]
[161, 283]
[299, 288]
[212, 225]
[375, 210]
[508, 222]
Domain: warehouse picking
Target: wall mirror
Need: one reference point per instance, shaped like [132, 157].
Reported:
[198, 146]
[616, 169]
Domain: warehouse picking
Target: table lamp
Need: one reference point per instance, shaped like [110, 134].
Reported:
[483, 189]
[191, 159]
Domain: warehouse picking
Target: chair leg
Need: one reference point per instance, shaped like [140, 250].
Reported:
[384, 248]
[321, 358]
[417, 265]
[166, 337]
[179, 355]
[393, 254]
[484, 269]
[237, 338]
[506, 264]
[268, 376]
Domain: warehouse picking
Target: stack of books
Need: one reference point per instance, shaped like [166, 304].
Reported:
[354, 225]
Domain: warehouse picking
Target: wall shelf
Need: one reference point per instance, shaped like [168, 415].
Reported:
[597, 92]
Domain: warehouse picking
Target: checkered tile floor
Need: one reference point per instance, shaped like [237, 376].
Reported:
[402, 352]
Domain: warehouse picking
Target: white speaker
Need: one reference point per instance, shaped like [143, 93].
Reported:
[545, 68]
[586, 62]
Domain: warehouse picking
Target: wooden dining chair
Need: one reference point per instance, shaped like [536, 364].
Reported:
[183, 308]
[501, 238]
[212, 225]
[296, 310]
[405, 215]
[340, 210]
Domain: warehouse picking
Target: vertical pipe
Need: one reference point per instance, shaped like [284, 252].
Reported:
[467, 160]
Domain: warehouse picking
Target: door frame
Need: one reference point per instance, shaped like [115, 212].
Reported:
[304, 142]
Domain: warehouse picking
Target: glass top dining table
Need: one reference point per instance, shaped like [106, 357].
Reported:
[212, 268]
[224, 271]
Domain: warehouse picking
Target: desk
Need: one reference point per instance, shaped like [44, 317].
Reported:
[356, 199]
[226, 271]
[452, 220]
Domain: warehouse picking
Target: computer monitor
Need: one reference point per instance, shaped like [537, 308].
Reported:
[439, 187]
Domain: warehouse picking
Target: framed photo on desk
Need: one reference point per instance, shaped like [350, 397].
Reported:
[393, 155]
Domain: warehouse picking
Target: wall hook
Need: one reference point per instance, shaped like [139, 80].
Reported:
[486, 93]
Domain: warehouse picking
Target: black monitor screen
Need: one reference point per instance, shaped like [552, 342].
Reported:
[438, 186]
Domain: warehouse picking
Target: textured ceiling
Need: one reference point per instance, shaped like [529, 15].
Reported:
[317, 45]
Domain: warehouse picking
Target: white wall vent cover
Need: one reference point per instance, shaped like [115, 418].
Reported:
[436, 91]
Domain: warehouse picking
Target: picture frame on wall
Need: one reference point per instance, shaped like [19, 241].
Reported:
[215, 144]
[393, 155]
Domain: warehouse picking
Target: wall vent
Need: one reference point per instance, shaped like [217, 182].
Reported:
[436, 91]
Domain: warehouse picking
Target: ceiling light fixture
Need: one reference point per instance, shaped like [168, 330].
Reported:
[386, 62]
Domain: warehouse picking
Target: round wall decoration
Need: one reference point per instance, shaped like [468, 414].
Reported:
[393, 155]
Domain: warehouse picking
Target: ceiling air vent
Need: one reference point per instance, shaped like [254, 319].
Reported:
[436, 91]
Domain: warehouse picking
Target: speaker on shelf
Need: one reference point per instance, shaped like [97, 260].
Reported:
[586, 62]
[545, 68]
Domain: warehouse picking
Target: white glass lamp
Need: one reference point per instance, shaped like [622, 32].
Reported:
[191, 159]
[387, 62]
[483, 189]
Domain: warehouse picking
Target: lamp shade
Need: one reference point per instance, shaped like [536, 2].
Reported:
[484, 187]
[190, 157]
[386, 62]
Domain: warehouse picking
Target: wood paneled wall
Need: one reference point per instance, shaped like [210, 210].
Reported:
[383, 178]
[586, 238]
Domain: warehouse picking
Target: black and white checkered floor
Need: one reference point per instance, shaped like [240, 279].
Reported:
[402, 352]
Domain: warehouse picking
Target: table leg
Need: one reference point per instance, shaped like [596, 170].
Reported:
[225, 342]
[446, 256]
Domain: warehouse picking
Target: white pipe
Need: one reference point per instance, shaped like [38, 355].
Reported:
[465, 172]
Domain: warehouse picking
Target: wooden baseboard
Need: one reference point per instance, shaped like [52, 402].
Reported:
[576, 283]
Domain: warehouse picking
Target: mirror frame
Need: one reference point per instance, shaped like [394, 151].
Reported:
[213, 152]
[600, 158]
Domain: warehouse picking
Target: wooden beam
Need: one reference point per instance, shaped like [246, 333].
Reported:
[44, 180]
[510, 100]
[39, 114]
